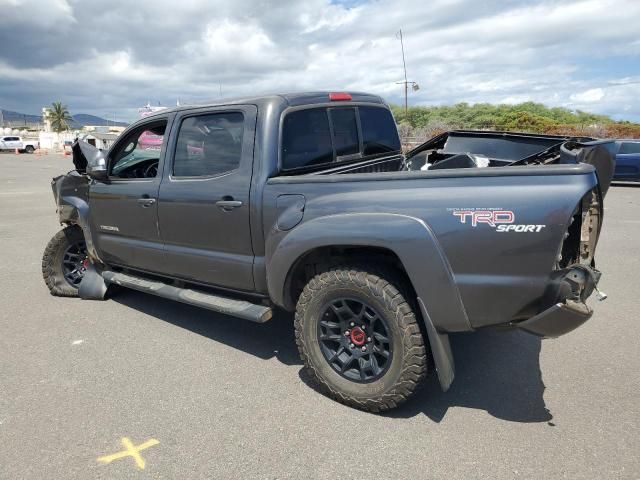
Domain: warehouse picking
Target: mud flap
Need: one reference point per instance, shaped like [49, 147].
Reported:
[92, 286]
[440, 349]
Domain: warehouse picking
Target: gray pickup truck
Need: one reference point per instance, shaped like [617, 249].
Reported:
[305, 202]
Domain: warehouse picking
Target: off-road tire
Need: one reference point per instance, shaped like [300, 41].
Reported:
[381, 290]
[52, 261]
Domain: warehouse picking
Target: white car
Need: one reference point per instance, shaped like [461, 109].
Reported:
[11, 142]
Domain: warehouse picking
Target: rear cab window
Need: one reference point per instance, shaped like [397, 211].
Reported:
[322, 136]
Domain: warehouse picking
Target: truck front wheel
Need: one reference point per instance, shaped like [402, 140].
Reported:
[64, 262]
[359, 338]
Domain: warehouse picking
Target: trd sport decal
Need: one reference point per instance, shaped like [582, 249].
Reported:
[497, 218]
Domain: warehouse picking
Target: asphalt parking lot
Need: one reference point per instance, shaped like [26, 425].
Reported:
[224, 398]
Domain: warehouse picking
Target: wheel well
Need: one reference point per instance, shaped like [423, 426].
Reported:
[322, 259]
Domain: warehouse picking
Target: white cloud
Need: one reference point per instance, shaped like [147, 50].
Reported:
[329, 18]
[236, 39]
[588, 96]
[574, 53]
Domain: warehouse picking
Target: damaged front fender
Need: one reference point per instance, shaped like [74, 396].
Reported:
[71, 194]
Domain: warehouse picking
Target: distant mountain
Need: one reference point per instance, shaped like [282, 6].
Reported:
[86, 119]
[15, 119]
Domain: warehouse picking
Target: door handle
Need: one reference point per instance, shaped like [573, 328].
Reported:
[228, 205]
[146, 202]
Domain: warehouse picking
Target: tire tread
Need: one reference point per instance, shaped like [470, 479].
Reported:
[377, 283]
[51, 271]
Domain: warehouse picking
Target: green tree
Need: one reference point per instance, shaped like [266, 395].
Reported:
[59, 117]
[526, 116]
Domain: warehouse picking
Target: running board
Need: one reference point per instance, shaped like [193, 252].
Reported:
[229, 306]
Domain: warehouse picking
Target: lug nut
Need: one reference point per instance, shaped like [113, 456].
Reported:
[351, 345]
[364, 327]
[364, 348]
[368, 339]
[352, 324]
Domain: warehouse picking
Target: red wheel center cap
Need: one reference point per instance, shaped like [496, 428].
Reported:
[357, 336]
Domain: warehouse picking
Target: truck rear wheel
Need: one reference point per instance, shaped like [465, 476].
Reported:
[65, 261]
[359, 338]
[29, 149]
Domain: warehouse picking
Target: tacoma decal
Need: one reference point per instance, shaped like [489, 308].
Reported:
[498, 218]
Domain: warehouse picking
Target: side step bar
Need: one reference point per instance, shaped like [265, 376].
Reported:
[229, 306]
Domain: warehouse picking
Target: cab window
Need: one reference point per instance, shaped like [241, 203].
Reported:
[379, 131]
[138, 154]
[306, 139]
[345, 131]
[209, 145]
[313, 137]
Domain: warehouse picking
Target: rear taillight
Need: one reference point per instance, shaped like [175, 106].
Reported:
[339, 97]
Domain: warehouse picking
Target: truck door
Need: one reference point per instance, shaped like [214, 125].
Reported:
[204, 206]
[124, 210]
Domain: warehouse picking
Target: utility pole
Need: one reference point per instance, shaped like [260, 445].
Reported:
[406, 86]
[406, 83]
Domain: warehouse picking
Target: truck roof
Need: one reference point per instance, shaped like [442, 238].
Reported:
[282, 99]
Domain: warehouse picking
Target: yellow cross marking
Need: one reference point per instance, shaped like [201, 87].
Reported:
[130, 450]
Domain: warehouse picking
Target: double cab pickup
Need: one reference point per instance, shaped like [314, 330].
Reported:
[307, 203]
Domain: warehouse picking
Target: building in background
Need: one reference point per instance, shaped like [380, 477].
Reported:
[46, 119]
[101, 140]
[117, 129]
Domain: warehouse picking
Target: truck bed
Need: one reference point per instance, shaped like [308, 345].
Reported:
[479, 150]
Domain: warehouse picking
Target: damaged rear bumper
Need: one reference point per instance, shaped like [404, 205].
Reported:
[558, 319]
[572, 286]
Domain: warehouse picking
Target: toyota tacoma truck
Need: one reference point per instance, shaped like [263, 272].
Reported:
[306, 203]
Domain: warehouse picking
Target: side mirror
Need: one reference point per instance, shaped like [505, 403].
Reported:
[97, 167]
[96, 161]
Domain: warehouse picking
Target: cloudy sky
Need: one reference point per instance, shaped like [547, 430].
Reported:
[111, 57]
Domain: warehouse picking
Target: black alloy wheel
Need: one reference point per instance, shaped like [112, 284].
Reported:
[74, 263]
[359, 338]
[355, 340]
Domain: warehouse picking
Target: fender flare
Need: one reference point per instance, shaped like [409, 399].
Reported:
[417, 247]
[76, 210]
[409, 238]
